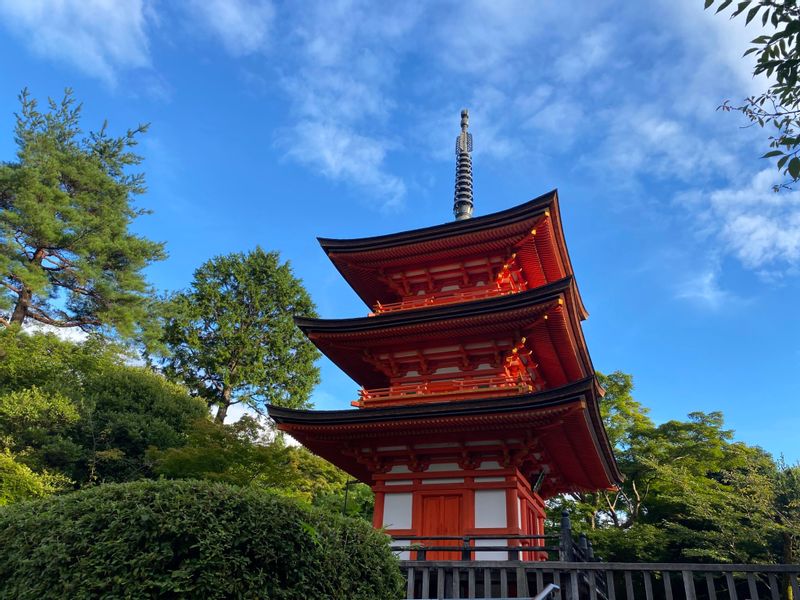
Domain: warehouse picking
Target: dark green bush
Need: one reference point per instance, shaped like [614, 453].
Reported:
[188, 539]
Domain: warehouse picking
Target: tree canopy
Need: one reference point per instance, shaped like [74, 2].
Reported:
[80, 411]
[67, 257]
[682, 498]
[232, 336]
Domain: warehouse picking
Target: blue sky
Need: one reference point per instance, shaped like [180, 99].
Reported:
[272, 123]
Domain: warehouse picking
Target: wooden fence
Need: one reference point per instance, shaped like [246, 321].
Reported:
[599, 580]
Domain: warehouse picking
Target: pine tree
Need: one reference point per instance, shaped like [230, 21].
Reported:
[67, 257]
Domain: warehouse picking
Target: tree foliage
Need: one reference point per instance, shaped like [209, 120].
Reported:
[232, 335]
[189, 539]
[67, 257]
[81, 411]
[19, 482]
[244, 453]
[691, 492]
[777, 53]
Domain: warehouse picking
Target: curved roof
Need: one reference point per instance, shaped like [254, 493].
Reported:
[566, 419]
[363, 261]
[558, 343]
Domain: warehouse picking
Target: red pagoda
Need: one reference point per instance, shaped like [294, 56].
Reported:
[478, 396]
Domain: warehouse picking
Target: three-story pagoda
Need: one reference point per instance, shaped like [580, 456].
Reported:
[478, 396]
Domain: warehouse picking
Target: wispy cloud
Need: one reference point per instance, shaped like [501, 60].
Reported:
[705, 290]
[759, 227]
[343, 155]
[97, 37]
[340, 89]
[243, 26]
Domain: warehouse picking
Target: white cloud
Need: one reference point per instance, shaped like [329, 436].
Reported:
[720, 41]
[704, 289]
[96, 36]
[759, 227]
[649, 141]
[485, 38]
[243, 26]
[341, 93]
[591, 52]
[343, 155]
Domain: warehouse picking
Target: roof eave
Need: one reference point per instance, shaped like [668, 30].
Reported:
[510, 215]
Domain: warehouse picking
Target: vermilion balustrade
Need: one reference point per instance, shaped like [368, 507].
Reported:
[432, 391]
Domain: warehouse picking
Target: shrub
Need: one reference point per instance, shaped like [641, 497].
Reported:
[190, 539]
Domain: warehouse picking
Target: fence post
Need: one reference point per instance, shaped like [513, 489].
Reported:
[466, 549]
[565, 552]
[583, 544]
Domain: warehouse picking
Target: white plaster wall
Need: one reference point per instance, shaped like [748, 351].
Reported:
[489, 464]
[491, 554]
[443, 480]
[440, 467]
[490, 508]
[397, 510]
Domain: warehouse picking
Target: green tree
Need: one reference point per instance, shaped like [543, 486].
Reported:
[67, 257]
[622, 415]
[682, 497]
[787, 508]
[81, 411]
[232, 335]
[245, 454]
[777, 53]
[19, 482]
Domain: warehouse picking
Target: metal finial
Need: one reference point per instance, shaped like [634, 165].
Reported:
[462, 205]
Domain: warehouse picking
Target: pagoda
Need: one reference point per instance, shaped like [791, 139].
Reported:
[478, 397]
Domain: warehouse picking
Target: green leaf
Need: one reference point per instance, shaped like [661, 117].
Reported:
[709, 3]
[725, 4]
[773, 153]
[740, 8]
[751, 14]
[794, 168]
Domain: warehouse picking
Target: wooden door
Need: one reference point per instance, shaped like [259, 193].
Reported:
[441, 515]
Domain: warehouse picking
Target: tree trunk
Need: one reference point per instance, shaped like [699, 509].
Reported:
[222, 406]
[21, 308]
[26, 295]
[787, 559]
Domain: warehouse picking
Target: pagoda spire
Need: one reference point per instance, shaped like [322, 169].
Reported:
[462, 205]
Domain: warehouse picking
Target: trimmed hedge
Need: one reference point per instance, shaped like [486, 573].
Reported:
[189, 539]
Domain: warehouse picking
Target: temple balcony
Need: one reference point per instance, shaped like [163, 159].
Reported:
[443, 391]
[464, 295]
[430, 287]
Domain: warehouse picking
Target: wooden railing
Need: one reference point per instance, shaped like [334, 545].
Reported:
[487, 291]
[431, 391]
[468, 547]
[569, 566]
[598, 580]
